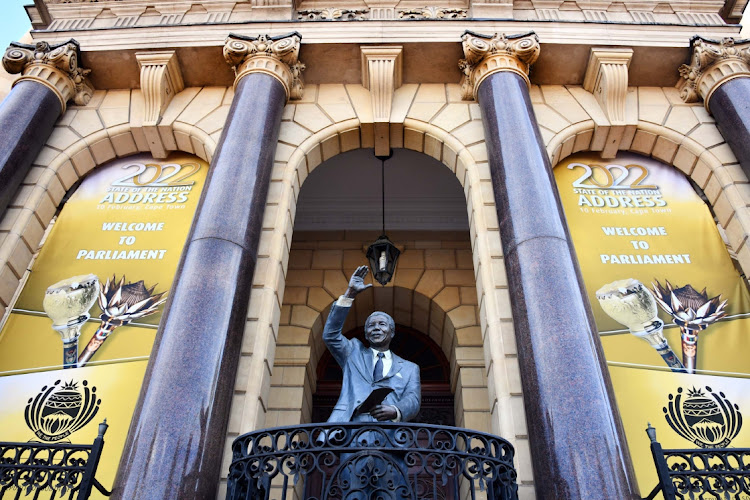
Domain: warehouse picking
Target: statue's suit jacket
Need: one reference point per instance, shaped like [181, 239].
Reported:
[356, 361]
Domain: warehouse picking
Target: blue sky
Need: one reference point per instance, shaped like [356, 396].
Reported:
[13, 21]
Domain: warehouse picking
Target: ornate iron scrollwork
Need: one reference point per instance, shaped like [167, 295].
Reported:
[357, 461]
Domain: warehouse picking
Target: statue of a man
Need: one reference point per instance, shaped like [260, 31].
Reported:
[373, 368]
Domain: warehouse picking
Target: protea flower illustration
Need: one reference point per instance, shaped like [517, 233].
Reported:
[121, 303]
[692, 311]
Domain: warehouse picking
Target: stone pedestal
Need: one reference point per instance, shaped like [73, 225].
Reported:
[50, 76]
[577, 442]
[176, 440]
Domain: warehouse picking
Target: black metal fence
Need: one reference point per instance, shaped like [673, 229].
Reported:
[371, 461]
[50, 470]
[700, 473]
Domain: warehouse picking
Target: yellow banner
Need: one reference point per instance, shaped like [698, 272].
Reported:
[633, 218]
[93, 302]
[669, 304]
[46, 406]
[695, 411]
[111, 255]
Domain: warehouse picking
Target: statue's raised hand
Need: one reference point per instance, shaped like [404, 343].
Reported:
[357, 282]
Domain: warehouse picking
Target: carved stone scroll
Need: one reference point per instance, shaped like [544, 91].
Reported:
[276, 56]
[712, 64]
[55, 66]
[485, 55]
[381, 75]
[161, 80]
[607, 78]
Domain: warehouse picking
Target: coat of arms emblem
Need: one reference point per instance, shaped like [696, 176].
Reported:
[707, 419]
[58, 410]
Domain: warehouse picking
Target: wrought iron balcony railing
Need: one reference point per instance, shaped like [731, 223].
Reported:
[368, 461]
[700, 473]
[51, 470]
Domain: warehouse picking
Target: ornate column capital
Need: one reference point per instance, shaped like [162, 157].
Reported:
[712, 64]
[277, 56]
[485, 55]
[55, 66]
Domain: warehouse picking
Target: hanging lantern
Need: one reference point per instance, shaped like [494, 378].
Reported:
[383, 256]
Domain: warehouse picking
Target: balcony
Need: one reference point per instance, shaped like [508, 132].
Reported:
[371, 461]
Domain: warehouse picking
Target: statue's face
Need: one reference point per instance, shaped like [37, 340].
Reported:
[378, 332]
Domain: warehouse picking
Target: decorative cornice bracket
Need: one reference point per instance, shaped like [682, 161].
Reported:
[382, 70]
[161, 80]
[277, 56]
[713, 63]
[54, 66]
[607, 78]
[485, 55]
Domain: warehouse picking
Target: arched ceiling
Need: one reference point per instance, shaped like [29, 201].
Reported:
[344, 193]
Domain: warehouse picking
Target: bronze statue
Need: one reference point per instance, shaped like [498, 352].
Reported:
[377, 384]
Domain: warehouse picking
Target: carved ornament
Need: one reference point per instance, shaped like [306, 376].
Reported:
[382, 70]
[607, 78]
[433, 13]
[275, 56]
[333, 14]
[485, 55]
[55, 66]
[161, 79]
[712, 64]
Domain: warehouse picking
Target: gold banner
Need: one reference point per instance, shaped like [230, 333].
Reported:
[695, 411]
[669, 304]
[68, 406]
[93, 302]
[106, 267]
[633, 218]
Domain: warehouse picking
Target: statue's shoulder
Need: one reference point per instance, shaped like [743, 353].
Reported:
[406, 362]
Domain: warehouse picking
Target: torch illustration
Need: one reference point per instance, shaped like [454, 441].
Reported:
[121, 303]
[67, 303]
[630, 303]
[692, 311]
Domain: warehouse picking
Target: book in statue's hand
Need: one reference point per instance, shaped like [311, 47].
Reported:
[375, 398]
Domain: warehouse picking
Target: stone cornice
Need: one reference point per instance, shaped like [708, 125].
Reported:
[276, 56]
[485, 55]
[54, 66]
[712, 64]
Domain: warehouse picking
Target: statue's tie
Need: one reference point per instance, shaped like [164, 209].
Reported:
[377, 373]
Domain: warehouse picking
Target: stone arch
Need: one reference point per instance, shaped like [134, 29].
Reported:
[293, 164]
[714, 169]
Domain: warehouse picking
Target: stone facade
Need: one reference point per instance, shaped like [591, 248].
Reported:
[451, 286]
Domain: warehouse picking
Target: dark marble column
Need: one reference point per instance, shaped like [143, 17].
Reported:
[719, 73]
[175, 444]
[38, 98]
[730, 105]
[577, 442]
[27, 116]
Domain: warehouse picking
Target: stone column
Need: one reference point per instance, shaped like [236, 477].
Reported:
[719, 73]
[577, 442]
[175, 443]
[50, 77]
